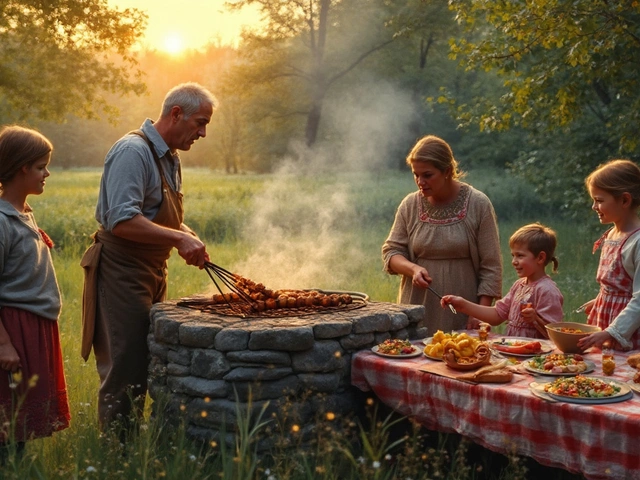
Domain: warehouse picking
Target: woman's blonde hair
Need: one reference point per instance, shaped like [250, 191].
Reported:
[537, 238]
[435, 150]
[617, 177]
[20, 146]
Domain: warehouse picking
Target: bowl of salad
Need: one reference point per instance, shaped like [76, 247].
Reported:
[565, 335]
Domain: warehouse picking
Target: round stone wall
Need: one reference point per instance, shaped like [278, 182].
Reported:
[209, 367]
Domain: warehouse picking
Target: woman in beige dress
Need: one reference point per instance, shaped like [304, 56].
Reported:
[445, 236]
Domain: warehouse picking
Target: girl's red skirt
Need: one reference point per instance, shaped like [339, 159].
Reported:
[35, 404]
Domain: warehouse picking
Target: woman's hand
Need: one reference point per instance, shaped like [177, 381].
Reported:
[421, 277]
[9, 359]
[594, 340]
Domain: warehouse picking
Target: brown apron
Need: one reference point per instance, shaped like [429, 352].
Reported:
[123, 279]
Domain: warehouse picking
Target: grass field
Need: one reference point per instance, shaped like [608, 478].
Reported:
[284, 230]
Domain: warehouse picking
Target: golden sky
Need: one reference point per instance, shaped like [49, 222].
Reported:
[190, 24]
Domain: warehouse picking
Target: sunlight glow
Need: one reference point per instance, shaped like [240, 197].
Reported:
[176, 30]
[173, 43]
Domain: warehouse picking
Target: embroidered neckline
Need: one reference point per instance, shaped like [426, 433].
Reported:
[450, 213]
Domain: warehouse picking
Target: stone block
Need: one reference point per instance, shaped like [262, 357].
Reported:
[250, 374]
[177, 370]
[254, 391]
[181, 356]
[287, 339]
[198, 387]
[320, 382]
[332, 329]
[379, 322]
[324, 356]
[229, 339]
[398, 321]
[266, 357]
[198, 334]
[209, 364]
[357, 341]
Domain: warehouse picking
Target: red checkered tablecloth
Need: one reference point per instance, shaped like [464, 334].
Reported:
[598, 441]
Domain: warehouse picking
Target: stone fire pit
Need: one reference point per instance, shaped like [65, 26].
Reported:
[211, 366]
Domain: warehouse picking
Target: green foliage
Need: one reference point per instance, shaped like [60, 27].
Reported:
[60, 57]
[568, 82]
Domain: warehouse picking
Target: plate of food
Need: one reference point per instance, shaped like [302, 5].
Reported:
[521, 347]
[461, 342]
[396, 348]
[587, 390]
[559, 364]
[633, 385]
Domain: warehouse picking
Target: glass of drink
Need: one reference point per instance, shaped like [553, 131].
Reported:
[608, 361]
[483, 332]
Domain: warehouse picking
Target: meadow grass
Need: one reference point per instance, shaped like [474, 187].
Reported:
[238, 216]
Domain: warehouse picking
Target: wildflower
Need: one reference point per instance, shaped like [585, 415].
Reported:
[203, 414]
[267, 472]
[271, 477]
[17, 376]
[33, 380]
[213, 444]
[387, 456]
[376, 464]
[207, 399]
[192, 458]
[337, 354]
[361, 460]
[91, 469]
[183, 407]
[320, 469]
[331, 416]
[295, 428]
[369, 401]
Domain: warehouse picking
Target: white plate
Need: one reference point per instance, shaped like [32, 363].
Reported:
[625, 393]
[634, 386]
[590, 368]
[545, 346]
[416, 352]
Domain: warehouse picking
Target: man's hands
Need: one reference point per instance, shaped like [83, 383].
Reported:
[192, 250]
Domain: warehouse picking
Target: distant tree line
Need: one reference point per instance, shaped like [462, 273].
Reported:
[546, 88]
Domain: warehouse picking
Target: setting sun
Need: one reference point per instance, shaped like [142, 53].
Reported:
[174, 30]
[173, 43]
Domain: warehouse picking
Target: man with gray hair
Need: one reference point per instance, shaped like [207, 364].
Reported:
[141, 220]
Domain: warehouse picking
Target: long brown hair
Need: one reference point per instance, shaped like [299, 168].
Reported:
[436, 151]
[20, 146]
[617, 177]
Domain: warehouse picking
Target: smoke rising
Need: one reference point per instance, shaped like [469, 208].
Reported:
[302, 229]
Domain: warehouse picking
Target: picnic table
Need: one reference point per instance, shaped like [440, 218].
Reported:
[598, 441]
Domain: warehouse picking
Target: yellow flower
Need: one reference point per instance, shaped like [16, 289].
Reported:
[33, 380]
[203, 414]
[295, 429]
[331, 416]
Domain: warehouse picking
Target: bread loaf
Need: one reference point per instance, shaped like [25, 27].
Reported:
[495, 373]
[634, 360]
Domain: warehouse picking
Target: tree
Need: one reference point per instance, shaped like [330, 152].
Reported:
[297, 40]
[570, 76]
[62, 56]
[559, 61]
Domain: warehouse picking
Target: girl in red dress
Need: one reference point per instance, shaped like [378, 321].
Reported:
[615, 190]
[33, 393]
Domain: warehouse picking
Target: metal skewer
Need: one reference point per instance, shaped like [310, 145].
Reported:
[453, 310]
[581, 308]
